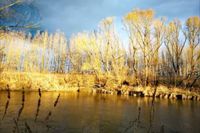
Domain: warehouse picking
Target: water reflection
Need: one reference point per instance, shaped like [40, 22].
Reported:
[6, 108]
[48, 116]
[55, 103]
[52, 112]
[8, 101]
[151, 113]
[135, 124]
[16, 127]
[22, 105]
[38, 105]
[27, 128]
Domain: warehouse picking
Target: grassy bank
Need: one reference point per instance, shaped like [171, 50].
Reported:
[87, 82]
[46, 82]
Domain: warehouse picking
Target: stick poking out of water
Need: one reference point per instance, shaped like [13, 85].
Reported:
[23, 96]
[48, 116]
[38, 106]
[28, 127]
[8, 90]
[8, 101]
[16, 127]
[6, 108]
[56, 102]
[40, 94]
[22, 107]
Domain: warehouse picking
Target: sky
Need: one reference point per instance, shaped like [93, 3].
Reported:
[73, 16]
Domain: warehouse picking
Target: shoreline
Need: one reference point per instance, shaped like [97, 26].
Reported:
[131, 93]
[75, 83]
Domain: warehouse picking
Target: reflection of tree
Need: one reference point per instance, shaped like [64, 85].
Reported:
[50, 113]
[16, 121]
[8, 101]
[90, 127]
[22, 107]
[151, 116]
[48, 116]
[55, 104]
[16, 127]
[27, 128]
[135, 124]
[6, 108]
[152, 110]
[38, 105]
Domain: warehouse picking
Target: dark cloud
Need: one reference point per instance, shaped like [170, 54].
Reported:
[18, 15]
[72, 16]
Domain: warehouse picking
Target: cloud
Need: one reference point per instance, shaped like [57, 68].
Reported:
[72, 16]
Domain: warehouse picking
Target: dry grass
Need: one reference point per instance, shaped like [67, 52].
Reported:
[74, 81]
[44, 81]
[165, 90]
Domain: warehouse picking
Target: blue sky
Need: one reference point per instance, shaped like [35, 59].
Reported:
[72, 16]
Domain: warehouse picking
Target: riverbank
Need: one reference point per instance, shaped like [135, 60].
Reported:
[16, 81]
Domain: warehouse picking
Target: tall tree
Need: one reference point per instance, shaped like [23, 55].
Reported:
[175, 45]
[139, 24]
[193, 50]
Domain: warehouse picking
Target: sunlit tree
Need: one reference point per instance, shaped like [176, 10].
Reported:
[145, 37]
[192, 61]
[158, 52]
[175, 45]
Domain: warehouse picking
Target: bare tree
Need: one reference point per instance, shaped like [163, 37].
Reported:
[192, 61]
[1, 59]
[175, 46]
[145, 35]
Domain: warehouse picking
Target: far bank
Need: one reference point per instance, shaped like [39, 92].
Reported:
[18, 81]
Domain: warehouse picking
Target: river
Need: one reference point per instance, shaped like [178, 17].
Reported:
[62, 112]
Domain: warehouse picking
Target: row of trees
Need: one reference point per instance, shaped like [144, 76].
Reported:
[158, 51]
[178, 59]
[43, 53]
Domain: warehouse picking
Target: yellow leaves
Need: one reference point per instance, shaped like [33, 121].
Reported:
[107, 22]
[86, 66]
[148, 13]
[193, 22]
[158, 23]
[84, 42]
[132, 16]
[92, 64]
[107, 26]
[139, 15]
[86, 47]
[171, 25]
[174, 26]
[81, 40]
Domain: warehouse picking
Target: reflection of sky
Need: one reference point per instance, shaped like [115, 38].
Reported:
[72, 16]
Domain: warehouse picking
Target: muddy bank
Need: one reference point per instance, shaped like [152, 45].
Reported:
[161, 92]
[87, 83]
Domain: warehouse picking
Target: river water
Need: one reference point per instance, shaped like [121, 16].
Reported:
[62, 112]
